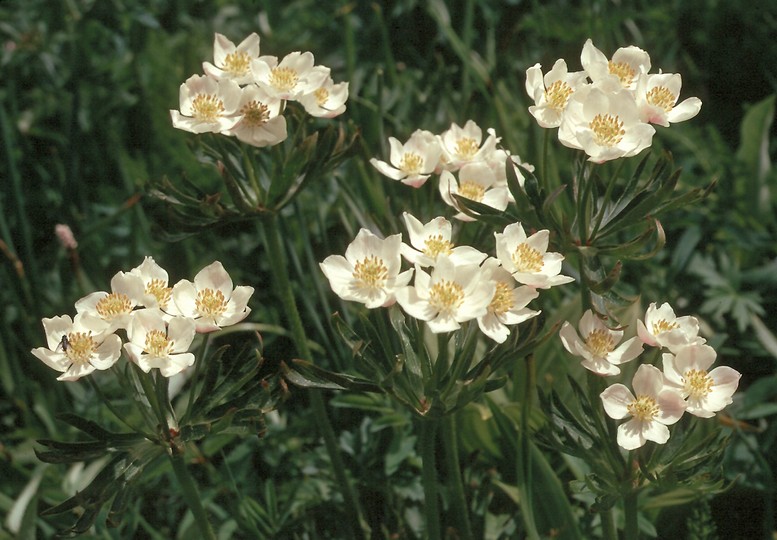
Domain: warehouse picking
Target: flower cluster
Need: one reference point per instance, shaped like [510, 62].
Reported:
[453, 284]
[459, 151]
[160, 321]
[244, 95]
[659, 398]
[609, 116]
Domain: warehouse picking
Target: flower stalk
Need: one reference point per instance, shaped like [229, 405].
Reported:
[428, 438]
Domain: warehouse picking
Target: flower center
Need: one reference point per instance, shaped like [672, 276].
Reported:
[623, 71]
[697, 383]
[643, 408]
[113, 305]
[283, 78]
[255, 113]
[207, 107]
[80, 347]
[410, 163]
[662, 325]
[434, 245]
[370, 273]
[527, 259]
[467, 147]
[157, 344]
[322, 95]
[158, 288]
[446, 297]
[600, 342]
[502, 302]
[557, 95]
[210, 303]
[608, 129]
[472, 191]
[237, 63]
[661, 97]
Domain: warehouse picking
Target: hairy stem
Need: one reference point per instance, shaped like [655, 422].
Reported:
[454, 480]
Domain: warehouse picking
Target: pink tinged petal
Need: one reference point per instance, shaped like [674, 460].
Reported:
[645, 335]
[89, 302]
[443, 323]
[570, 339]
[648, 381]
[205, 326]
[176, 363]
[55, 360]
[588, 323]
[129, 284]
[184, 295]
[221, 48]
[616, 400]
[626, 352]
[76, 371]
[143, 322]
[107, 353]
[228, 319]
[413, 304]
[685, 110]
[491, 326]
[630, 435]
[387, 170]
[534, 84]
[655, 431]
[672, 375]
[448, 186]
[214, 277]
[517, 316]
[55, 328]
[698, 357]
[239, 298]
[150, 270]
[181, 331]
[600, 366]
[671, 406]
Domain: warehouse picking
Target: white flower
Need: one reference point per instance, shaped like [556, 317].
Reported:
[707, 392]
[107, 312]
[412, 162]
[627, 64]
[654, 407]
[597, 347]
[657, 100]
[156, 292]
[210, 300]
[433, 239]
[260, 120]
[206, 105]
[462, 145]
[476, 182]
[292, 78]
[369, 272]
[76, 350]
[155, 343]
[551, 92]
[508, 305]
[528, 259]
[327, 101]
[233, 62]
[605, 125]
[451, 295]
[662, 328]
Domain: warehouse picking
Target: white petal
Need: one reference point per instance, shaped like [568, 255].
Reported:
[630, 435]
[616, 400]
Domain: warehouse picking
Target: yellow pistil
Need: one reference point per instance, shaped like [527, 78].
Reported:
[370, 273]
[608, 130]
[472, 191]
[410, 163]
[466, 147]
[237, 63]
[113, 305]
[283, 78]
[557, 95]
[643, 408]
[255, 113]
[434, 245]
[697, 383]
[210, 303]
[660, 96]
[662, 325]
[157, 344]
[322, 95]
[502, 302]
[158, 289]
[527, 259]
[445, 297]
[207, 107]
[80, 347]
[623, 71]
[600, 342]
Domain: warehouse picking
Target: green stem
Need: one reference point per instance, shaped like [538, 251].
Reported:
[524, 461]
[609, 532]
[191, 495]
[429, 478]
[631, 530]
[283, 285]
[199, 360]
[454, 479]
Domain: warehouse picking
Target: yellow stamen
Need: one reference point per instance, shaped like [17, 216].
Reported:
[527, 259]
[80, 347]
[466, 147]
[660, 96]
[210, 303]
[434, 245]
[643, 408]
[237, 63]
[322, 95]
[623, 71]
[157, 344]
[158, 289]
[662, 325]
[697, 383]
[472, 191]
[255, 113]
[283, 78]
[608, 130]
[557, 95]
[370, 273]
[445, 297]
[502, 302]
[207, 107]
[600, 342]
[113, 305]
[410, 163]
